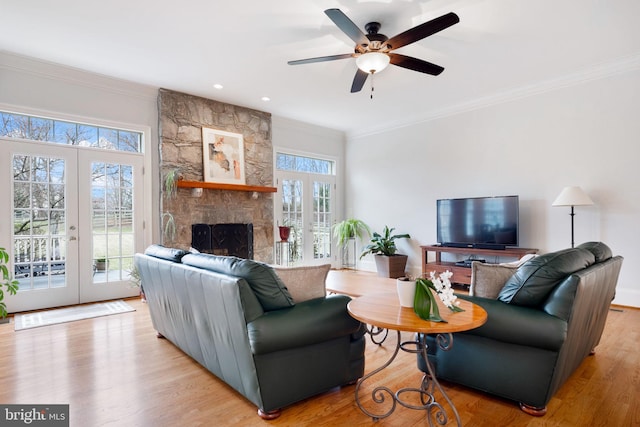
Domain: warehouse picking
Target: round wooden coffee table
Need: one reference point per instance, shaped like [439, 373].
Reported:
[383, 310]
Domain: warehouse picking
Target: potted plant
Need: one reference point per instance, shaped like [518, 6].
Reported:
[406, 288]
[170, 185]
[136, 281]
[7, 282]
[171, 179]
[383, 246]
[284, 231]
[102, 264]
[168, 226]
[346, 232]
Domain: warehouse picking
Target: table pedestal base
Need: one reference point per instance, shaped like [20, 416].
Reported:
[435, 411]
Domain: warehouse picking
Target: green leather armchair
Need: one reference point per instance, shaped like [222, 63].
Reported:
[548, 316]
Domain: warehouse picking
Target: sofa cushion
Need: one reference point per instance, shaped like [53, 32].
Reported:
[306, 282]
[533, 281]
[487, 280]
[601, 251]
[265, 283]
[162, 252]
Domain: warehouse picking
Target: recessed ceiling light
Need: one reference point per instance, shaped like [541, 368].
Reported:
[266, 99]
[218, 86]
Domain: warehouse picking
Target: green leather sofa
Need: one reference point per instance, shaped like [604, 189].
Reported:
[237, 319]
[547, 316]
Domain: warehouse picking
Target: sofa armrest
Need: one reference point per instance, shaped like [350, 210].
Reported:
[519, 325]
[309, 322]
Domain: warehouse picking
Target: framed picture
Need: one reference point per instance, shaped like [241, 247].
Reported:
[223, 156]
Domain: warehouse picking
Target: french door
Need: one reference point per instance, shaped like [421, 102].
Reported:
[64, 209]
[307, 206]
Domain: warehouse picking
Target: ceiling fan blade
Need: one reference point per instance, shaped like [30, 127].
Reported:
[415, 64]
[347, 26]
[423, 30]
[321, 59]
[358, 81]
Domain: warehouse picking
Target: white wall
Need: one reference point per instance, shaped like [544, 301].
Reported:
[585, 134]
[303, 137]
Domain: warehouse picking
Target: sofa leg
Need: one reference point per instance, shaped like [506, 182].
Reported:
[270, 415]
[159, 335]
[532, 410]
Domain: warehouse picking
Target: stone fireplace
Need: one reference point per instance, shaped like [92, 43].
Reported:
[182, 118]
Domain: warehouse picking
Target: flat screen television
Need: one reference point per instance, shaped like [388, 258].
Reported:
[478, 222]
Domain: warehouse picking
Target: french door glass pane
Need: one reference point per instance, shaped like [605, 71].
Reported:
[112, 221]
[292, 193]
[39, 222]
[322, 220]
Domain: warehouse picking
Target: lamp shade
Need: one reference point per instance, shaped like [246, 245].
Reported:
[372, 62]
[572, 196]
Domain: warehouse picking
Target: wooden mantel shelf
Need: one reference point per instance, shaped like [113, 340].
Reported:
[230, 187]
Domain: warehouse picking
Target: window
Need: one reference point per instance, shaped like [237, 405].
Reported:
[293, 163]
[69, 133]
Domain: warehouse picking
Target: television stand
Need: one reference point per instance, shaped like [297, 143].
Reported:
[467, 262]
[462, 274]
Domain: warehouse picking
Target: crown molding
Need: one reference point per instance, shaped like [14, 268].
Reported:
[598, 71]
[52, 71]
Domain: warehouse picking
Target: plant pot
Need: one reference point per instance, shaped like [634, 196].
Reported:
[391, 266]
[406, 291]
[349, 254]
[284, 233]
[102, 265]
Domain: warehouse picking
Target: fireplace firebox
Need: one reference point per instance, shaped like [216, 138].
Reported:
[223, 239]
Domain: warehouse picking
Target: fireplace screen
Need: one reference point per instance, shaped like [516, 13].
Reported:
[223, 239]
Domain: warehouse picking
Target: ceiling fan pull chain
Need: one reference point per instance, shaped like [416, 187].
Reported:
[372, 74]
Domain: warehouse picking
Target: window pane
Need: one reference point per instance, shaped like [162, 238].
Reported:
[64, 132]
[14, 125]
[107, 138]
[21, 168]
[129, 141]
[87, 136]
[40, 169]
[40, 129]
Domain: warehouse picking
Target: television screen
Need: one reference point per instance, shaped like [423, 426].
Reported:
[482, 222]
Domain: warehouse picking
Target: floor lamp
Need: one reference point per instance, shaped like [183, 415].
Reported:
[572, 196]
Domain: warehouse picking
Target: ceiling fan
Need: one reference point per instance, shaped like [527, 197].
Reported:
[373, 51]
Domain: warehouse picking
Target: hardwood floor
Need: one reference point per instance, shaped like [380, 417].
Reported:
[113, 371]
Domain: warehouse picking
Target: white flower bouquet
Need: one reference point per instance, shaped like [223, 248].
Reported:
[425, 305]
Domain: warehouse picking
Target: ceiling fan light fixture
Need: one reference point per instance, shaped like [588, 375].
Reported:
[373, 62]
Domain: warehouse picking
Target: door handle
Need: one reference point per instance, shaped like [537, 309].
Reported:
[73, 238]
